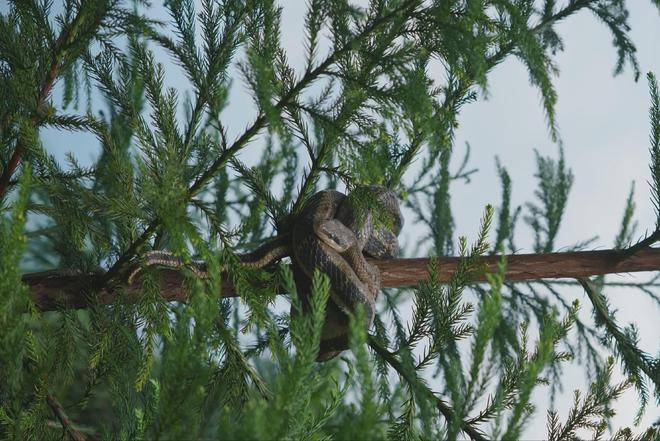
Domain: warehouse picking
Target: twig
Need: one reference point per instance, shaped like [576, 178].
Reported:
[57, 65]
[446, 410]
[625, 345]
[58, 410]
[644, 243]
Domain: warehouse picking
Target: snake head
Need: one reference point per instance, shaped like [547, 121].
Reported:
[335, 234]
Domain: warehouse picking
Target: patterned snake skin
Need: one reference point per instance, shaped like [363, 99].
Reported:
[329, 236]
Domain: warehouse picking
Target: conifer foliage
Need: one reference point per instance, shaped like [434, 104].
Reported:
[376, 101]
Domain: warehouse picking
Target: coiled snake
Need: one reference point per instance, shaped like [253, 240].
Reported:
[334, 233]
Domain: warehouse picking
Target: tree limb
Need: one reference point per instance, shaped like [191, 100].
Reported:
[58, 410]
[58, 64]
[53, 289]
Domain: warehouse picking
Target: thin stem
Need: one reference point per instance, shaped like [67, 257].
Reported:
[419, 387]
[626, 346]
[642, 244]
[67, 424]
[57, 65]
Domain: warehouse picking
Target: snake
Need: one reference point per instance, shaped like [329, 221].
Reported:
[334, 235]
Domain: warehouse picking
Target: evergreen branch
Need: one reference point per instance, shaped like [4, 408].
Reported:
[62, 176]
[547, 22]
[554, 181]
[409, 155]
[58, 410]
[219, 56]
[633, 358]
[654, 116]
[460, 90]
[418, 387]
[321, 157]
[291, 94]
[654, 166]
[61, 58]
[628, 227]
[243, 140]
[454, 96]
[50, 287]
[348, 107]
[642, 244]
[256, 182]
[591, 411]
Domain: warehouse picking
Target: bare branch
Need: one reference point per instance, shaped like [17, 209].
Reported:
[50, 289]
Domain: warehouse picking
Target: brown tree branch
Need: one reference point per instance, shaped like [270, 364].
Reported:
[58, 410]
[60, 59]
[17, 155]
[52, 289]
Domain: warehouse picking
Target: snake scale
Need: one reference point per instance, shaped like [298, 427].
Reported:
[335, 237]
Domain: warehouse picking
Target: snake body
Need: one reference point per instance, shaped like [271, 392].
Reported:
[319, 243]
[332, 237]
[328, 235]
[268, 253]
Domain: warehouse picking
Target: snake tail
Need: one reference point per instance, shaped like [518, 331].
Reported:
[270, 252]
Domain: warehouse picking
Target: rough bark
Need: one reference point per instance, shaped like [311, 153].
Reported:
[52, 289]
